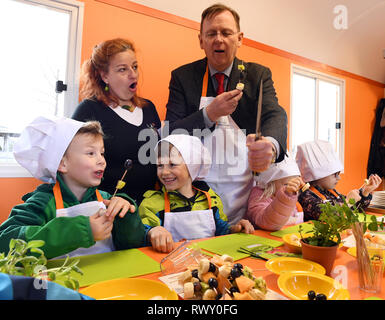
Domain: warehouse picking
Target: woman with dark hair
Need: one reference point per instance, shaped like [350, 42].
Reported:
[109, 83]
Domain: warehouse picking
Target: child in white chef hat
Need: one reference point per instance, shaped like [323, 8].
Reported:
[320, 166]
[68, 212]
[186, 207]
[273, 201]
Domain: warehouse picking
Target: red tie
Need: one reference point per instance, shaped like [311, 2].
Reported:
[220, 77]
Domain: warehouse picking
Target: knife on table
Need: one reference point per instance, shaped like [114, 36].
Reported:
[258, 133]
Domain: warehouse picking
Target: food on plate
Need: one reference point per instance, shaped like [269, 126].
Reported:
[376, 260]
[320, 296]
[295, 240]
[221, 278]
[188, 289]
[374, 238]
[311, 295]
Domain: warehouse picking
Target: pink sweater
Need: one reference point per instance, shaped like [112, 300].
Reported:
[272, 213]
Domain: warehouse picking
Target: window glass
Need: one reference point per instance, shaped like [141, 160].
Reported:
[303, 111]
[316, 109]
[37, 48]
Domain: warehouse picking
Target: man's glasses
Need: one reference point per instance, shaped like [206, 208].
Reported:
[223, 33]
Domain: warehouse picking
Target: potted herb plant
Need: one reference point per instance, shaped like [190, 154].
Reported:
[325, 237]
[27, 259]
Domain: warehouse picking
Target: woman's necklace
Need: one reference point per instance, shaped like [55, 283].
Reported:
[129, 108]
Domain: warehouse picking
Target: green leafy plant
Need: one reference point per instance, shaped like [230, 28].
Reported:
[27, 259]
[334, 219]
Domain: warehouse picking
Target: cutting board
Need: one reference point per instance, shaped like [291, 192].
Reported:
[230, 244]
[110, 265]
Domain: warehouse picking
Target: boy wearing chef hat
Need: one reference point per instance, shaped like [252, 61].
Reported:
[320, 166]
[272, 202]
[185, 207]
[68, 212]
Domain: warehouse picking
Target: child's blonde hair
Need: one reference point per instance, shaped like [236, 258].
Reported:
[269, 190]
[91, 127]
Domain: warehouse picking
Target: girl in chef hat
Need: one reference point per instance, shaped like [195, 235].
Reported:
[185, 207]
[273, 201]
[68, 212]
[320, 166]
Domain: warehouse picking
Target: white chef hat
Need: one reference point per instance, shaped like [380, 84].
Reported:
[42, 144]
[317, 159]
[195, 155]
[286, 168]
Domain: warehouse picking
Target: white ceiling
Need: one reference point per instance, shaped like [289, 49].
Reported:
[306, 28]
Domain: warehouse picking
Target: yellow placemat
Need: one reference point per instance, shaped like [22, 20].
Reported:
[280, 233]
[111, 265]
[230, 244]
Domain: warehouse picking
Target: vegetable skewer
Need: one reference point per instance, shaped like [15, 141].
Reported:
[121, 183]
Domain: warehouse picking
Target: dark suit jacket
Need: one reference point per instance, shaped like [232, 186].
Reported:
[186, 89]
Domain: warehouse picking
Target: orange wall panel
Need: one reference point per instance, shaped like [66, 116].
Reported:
[161, 46]
[11, 190]
[360, 107]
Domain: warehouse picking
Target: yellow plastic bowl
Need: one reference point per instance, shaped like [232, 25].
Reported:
[130, 289]
[291, 245]
[287, 264]
[296, 285]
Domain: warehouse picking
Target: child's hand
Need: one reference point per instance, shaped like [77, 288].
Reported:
[101, 226]
[161, 239]
[242, 226]
[116, 205]
[293, 185]
[353, 194]
[373, 183]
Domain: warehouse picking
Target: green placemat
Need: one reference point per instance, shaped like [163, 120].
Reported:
[230, 244]
[367, 217]
[280, 233]
[111, 265]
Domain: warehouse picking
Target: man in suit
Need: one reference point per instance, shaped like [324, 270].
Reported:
[203, 95]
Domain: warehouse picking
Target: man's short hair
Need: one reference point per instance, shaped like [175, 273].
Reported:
[217, 8]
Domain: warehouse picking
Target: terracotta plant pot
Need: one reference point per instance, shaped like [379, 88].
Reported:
[325, 256]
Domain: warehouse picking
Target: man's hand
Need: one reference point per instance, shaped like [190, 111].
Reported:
[223, 104]
[260, 154]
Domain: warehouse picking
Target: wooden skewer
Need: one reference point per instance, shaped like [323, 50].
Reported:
[128, 166]
[365, 268]
[116, 190]
[365, 183]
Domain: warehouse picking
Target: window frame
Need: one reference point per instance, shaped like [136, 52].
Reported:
[317, 75]
[71, 95]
